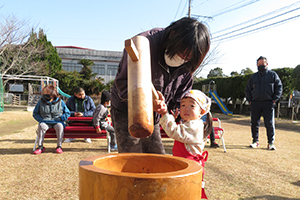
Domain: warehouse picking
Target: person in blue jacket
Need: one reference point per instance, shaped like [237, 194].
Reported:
[50, 112]
[80, 105]
[263, 90]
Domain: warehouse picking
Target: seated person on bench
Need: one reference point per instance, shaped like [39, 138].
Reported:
[80, 105]
[99, 119]
[50, 112]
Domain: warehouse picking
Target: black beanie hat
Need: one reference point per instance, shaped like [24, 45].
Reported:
[105, 96]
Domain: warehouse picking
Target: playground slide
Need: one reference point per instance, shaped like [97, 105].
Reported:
[220, 103]
[62, 93]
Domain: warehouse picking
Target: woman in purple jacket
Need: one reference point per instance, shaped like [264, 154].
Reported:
[176, 53]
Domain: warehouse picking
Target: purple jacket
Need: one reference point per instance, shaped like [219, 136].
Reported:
[172, 86]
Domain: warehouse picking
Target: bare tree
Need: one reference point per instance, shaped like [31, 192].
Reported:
[18, 49]
[211, 58]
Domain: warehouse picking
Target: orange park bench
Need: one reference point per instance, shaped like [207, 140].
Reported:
[78, 127]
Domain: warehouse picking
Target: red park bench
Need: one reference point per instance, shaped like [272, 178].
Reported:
[81, 127]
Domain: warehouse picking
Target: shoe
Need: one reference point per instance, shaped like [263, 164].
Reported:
[114, 147]
[214, 145]
[39, 151]
[271, 146]
[254, 145]
[68, 140]
[58, 150]
[88, 140]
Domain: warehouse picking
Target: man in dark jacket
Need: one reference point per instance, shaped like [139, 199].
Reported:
[176, 53]
[80, 105]
[263, 90]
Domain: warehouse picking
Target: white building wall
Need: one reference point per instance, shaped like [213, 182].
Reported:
[106, 62]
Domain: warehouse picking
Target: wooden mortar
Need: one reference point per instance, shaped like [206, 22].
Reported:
[135, 176]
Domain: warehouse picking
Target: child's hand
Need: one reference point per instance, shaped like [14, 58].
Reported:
[159, 104]
[175, 114]
[78, 114]
[98, 130]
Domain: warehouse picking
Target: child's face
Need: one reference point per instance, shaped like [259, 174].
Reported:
[47, 92]
[189, 109]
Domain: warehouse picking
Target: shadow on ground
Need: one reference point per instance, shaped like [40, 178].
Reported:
[296, 183]
[269, 197]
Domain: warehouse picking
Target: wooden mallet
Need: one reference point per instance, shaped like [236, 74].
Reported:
[140, 88]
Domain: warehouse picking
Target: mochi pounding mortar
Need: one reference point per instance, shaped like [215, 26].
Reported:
[139, 176]
[140, 88]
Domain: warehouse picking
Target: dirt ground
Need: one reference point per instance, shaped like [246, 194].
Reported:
[241, 173]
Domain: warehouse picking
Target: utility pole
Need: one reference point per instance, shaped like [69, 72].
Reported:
[189, 11]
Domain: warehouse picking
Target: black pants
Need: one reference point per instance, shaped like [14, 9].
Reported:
[265, 109]
[127, 143]
[212, 135]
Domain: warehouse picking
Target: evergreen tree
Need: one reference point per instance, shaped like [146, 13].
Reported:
[234, 73]
[216, 72]
[86, 70]
[68, 81]
[296, 77]
[49, 60]
[246, 71]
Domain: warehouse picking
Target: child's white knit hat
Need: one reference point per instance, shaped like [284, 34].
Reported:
[203, 101]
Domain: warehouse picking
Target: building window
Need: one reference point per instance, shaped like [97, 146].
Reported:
[112, 70]
[70, 67]
[99, 69]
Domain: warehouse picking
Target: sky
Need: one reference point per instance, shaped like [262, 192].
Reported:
[105, 25]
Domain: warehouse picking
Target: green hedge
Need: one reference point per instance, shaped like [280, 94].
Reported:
[234, 87]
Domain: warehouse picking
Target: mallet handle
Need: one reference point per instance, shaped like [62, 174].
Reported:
[134, 55]
[131, 50]
[154, 93]
[140, 105]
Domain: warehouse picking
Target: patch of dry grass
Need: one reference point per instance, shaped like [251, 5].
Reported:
[241, 173]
